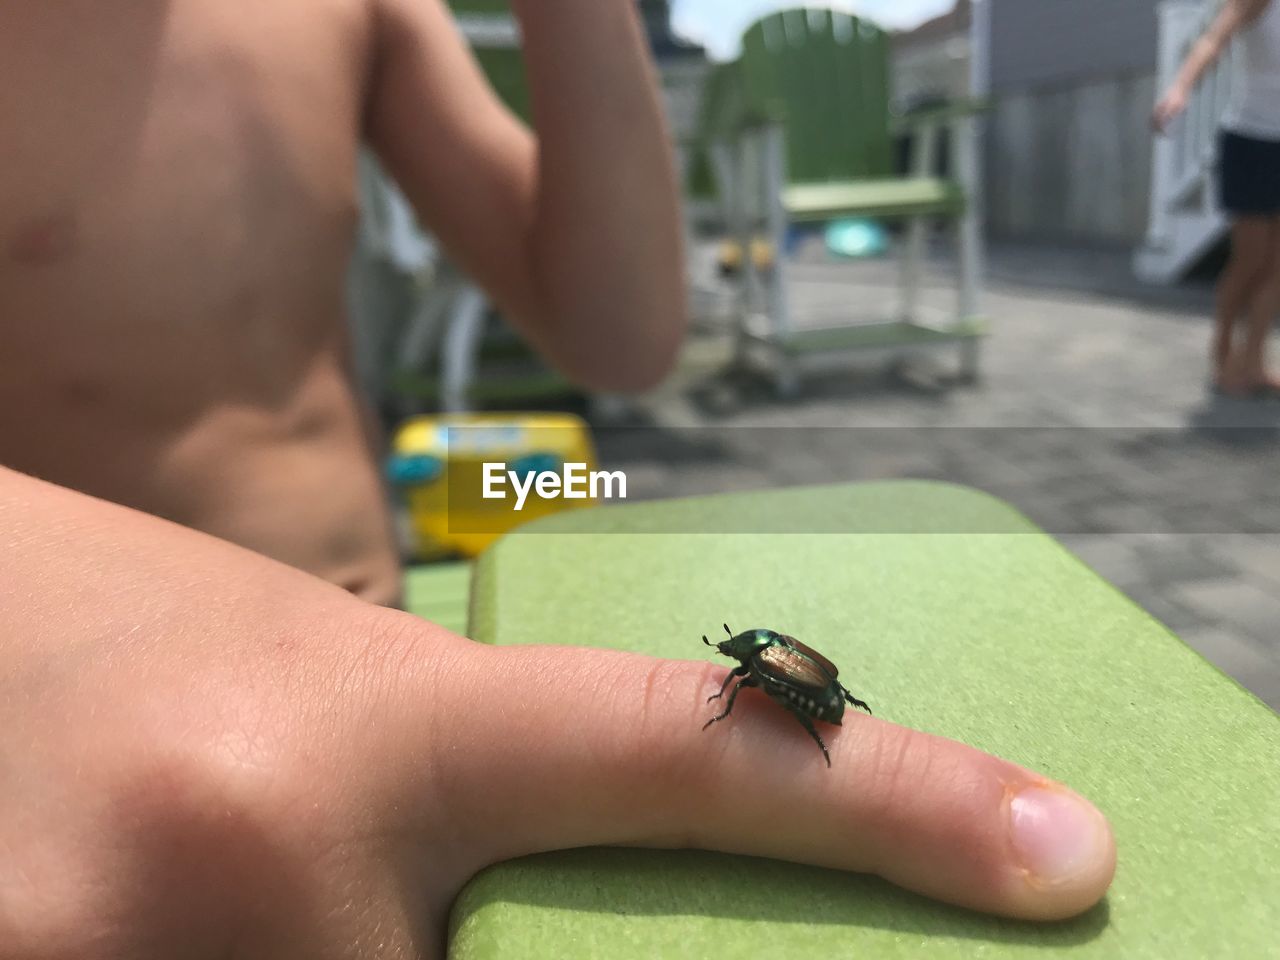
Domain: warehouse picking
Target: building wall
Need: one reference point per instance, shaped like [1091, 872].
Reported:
[1068, 145]
[1038, 43]
[1071, 164]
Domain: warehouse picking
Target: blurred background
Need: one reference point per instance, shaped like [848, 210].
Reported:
[926, 239]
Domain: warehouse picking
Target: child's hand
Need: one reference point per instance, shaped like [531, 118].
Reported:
[1170, 107]
[206, 753]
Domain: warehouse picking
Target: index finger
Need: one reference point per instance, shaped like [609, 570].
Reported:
[596, 747]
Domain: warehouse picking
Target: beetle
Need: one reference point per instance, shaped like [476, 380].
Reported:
[793, 674]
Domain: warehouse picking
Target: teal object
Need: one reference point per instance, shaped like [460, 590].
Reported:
[857, 238]
[413, 470]
[955, 615]
[535, 463]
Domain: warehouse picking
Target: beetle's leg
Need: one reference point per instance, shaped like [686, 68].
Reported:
[735, 672]
[747, 682]
[808, 725]
[854, 700]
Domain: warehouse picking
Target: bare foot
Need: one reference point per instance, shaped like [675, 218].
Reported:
[1238, 380]
[1241, 389]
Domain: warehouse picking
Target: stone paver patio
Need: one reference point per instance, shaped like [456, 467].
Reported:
[1092, 417]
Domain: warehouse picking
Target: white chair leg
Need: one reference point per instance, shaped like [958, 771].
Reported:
[923, 157]
[969, 235]
[461, 349]
[786, 373]
[725, 159]
[422, 334]
[775, 176]
[969, 241]
[912, 261]
[746, 226]
[968, 251]
[970, 355]
[720, 155]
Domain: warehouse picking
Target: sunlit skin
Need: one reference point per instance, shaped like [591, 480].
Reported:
[177, 207]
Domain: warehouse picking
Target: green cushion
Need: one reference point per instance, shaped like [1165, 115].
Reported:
[949, 612]
[439, 592]
[873, 198]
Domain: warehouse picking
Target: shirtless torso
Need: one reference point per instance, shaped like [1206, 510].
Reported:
[176, 213]
[175, 217]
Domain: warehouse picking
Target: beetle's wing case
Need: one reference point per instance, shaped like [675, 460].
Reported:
[796, 666]
[813, 655]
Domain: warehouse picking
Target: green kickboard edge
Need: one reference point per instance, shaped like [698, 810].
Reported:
[870, 336]
[439, 592]
[808, 202]
[949, 612]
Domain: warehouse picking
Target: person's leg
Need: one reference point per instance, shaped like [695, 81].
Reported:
[1248, 369]
[1251, 243]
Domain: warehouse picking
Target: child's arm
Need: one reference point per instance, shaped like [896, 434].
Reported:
[1234, 15]
[576, 235]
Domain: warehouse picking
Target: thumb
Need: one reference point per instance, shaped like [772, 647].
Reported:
[542, 748]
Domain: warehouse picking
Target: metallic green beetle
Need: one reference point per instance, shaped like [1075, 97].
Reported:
[797, 676]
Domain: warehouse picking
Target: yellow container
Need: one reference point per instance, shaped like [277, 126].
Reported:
[437, 467]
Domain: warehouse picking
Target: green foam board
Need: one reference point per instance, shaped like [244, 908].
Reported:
[439, 592]
[951, 613]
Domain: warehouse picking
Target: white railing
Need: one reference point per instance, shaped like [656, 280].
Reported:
[1184, 219]
[1196, 137]
[492, 31]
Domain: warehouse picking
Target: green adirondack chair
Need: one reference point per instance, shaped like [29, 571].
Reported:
[804, 113]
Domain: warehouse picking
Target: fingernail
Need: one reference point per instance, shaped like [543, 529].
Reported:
[1057, 834]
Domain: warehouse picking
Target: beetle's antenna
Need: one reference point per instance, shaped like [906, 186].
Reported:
[728, 631]
[706, 641]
